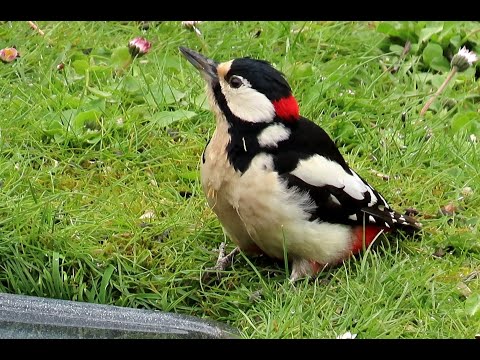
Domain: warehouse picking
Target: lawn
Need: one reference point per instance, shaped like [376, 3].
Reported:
[100, 199]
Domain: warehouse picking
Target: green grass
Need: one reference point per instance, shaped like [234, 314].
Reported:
[84, 153]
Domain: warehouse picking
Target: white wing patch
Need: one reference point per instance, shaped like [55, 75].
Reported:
[334, 199]
[247, 103]
[272, 135]
[319, 171]
[373, 198]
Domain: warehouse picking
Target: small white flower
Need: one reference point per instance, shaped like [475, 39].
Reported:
[470, 56]
[347, 335]
[467, 191]
[463, 59]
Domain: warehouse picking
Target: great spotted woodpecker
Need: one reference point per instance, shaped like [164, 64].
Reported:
[276, 181]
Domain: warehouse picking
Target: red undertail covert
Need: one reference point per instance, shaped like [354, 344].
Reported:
[371, 232]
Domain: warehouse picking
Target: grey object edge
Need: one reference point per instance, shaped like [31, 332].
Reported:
[23, 316]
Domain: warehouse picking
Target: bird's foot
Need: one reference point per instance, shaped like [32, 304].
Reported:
[302, 268]
[223, 262]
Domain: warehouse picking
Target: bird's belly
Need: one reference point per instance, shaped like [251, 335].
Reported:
[256, 207]
[218, 179]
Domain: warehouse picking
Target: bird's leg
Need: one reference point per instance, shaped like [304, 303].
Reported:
[222, 262]
[303, 268]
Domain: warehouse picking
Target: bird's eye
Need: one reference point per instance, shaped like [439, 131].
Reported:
[235, 82]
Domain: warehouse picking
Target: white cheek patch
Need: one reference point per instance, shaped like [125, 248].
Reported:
[248, 104]
[319, 171]
[272, 135]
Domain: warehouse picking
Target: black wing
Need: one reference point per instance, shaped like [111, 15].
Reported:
[310, 162]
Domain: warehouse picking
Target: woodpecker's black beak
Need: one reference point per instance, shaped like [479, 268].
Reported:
[206, 66]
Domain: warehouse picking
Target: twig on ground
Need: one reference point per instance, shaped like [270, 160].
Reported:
[394, 68]
[35, 27]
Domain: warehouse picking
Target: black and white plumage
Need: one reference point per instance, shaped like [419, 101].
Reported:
[275, 178]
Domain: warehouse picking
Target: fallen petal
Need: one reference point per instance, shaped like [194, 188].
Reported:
[149, 214]
[347, 335]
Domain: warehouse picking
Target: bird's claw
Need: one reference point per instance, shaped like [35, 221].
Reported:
[223, 262]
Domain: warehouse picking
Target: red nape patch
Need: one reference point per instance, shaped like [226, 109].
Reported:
[287, 108]
[371, 233]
